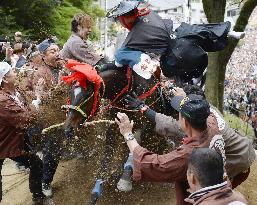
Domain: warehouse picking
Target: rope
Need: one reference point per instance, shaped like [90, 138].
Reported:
[149, 93]
[98, 121]
[44, 131]
[22, 180]
[17, 173]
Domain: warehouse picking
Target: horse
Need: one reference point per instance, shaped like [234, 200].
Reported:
[115, 85]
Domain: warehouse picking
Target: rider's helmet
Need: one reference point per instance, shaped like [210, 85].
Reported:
[127, 12]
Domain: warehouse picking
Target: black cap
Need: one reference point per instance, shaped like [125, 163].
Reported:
[193, 107]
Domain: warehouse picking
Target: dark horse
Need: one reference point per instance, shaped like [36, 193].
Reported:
[115, 83]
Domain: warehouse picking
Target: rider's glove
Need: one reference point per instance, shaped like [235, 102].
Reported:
[133, 102]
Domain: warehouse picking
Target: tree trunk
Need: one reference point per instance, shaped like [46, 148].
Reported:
[212, 79]
[214, 10]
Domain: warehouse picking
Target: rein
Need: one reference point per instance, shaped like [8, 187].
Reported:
[126, 89]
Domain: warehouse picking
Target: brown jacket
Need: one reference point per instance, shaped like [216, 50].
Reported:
[239, 150]
[171, 167]
[50, 75]
[218, 196]
[13, 121]
[76, 48]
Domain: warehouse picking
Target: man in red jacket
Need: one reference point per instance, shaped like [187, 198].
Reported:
[14, 118]
[205, 177]
[172, 167]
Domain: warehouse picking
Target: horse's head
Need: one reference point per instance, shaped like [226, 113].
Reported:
[83, 95]
[79, 107]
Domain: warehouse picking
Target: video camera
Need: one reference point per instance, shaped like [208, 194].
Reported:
[171, 86]
[3, 40]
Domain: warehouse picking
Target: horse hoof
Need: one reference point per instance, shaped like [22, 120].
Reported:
[124, 185]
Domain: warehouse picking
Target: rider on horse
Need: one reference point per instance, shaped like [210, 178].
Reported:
[182, 52]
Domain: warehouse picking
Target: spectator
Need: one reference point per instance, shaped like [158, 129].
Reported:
[48, 73]
[205, 178]
[240, 78]
[18, 37]
[254, 125]
[14, 119]
[19, 57]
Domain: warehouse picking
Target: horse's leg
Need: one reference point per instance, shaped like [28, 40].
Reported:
[125, 183]
[108, 151]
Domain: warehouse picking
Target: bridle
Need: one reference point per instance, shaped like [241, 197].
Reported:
[78, 107]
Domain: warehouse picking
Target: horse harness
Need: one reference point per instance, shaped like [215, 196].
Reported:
[78, 107]
[125, 90]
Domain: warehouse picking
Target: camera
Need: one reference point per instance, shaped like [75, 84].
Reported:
[171, 86]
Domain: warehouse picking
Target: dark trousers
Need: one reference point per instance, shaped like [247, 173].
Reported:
[51, 157]
[34, 163]
[51, 151]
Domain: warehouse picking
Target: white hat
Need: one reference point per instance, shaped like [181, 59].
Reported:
[4, 68]
[18, 33]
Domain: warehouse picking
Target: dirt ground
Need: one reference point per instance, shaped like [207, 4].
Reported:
[75, 178]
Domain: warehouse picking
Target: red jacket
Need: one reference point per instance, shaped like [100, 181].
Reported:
[220, 194]
[13, 121]
[171, 167]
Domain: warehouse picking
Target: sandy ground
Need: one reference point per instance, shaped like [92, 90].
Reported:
[75, 178]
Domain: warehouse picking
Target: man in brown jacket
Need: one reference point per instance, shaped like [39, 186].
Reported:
[239, 150]
[49, 68]
[76, 46]
[48, 75]
[172, 167]
[205, 178]
[14, 118]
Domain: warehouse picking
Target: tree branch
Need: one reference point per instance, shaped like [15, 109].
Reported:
[245, 14]
[240, 25]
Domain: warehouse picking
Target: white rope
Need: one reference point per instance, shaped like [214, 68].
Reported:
[98, 121]
[44, 131]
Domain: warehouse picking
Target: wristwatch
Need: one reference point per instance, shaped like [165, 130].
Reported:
[129, 137]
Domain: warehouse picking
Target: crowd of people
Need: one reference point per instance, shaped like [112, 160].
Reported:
[31, 72]
[211, 161]
[240, 95]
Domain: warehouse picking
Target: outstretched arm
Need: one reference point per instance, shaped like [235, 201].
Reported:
[149, 166]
